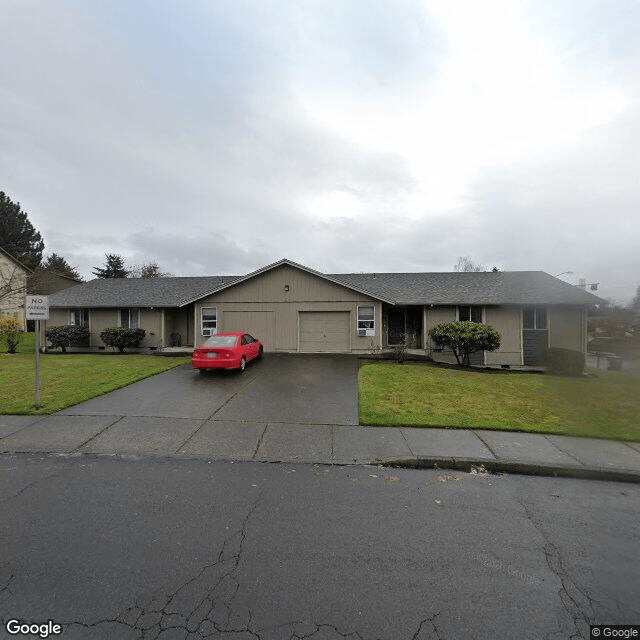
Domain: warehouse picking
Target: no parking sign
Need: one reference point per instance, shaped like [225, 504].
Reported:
[37, 307]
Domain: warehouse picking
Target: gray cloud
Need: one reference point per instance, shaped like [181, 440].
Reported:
[179, 133]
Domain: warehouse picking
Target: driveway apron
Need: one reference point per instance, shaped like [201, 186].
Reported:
[307, 389]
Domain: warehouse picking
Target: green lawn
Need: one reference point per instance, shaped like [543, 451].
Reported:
[424, 395]
[69, 378]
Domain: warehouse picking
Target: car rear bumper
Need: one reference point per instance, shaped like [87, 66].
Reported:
[215, 363]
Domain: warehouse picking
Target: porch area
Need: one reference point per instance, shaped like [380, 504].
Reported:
[403, 326]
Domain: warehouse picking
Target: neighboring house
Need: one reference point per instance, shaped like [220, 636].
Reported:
[13, 286]
[44, 282]
[292, 308]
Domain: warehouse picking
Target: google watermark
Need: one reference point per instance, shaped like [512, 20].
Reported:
[39, 629]
[598, 631]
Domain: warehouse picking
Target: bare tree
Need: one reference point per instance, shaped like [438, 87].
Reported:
[149, 270]
[467, 264]
[13, 282]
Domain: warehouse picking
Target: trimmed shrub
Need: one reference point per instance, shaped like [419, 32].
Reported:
[66, 336]
[564, 362]
[121, 337]
[10, 332]
[464, 338]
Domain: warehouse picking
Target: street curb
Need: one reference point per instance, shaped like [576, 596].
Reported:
[470, 465]
[477, 466]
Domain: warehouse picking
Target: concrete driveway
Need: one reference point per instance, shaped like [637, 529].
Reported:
[292, 388]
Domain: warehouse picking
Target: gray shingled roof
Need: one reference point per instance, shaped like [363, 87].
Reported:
[138, 292]
[503, 287]
[486, 288]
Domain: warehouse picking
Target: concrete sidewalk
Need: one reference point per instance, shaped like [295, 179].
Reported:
[479, 450]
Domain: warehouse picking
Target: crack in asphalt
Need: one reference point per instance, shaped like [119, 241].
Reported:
[213, 589]
[5, 588]
[577, 603]
[432, 633]
[204, 606]
[33, 484]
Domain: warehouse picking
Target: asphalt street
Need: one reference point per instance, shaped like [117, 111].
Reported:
[125, 548]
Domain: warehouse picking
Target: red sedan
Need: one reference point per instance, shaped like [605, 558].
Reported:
[227, 350]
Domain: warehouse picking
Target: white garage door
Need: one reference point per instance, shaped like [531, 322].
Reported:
[260, 324]
[324, 331]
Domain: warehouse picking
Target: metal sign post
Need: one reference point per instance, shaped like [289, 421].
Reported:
[37, 364]
[37, 309]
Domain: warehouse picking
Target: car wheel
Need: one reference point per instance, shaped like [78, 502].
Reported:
[243, 363]
[260, 354]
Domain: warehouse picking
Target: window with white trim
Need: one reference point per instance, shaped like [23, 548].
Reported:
[470, 313]
[79, 317]
[208, 321]
[130, 318]
[366, 321]
[534, 318]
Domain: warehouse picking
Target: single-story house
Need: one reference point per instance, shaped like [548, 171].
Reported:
[13, 286]
[292, 308]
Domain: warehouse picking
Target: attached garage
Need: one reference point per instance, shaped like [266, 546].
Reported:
[260, 324]
[323, 331]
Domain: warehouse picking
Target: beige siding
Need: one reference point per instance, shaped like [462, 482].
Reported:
[507, 321]
[13, 289]
[151, 322]
[567, 328]
[267, 293]
[58, 317]
[260, 324]
[434, 316]
[100, 319]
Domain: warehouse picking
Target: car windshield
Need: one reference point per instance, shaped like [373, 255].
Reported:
[221, 341]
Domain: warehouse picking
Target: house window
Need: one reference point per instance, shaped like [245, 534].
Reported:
[130, 318]
[474, 314]
[79, 318]
[366, 321]
[209, 320]
[534, 318]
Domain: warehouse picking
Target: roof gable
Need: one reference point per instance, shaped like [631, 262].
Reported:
[17, 262]
[295, 265]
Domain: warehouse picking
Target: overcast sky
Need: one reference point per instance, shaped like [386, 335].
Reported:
[216, 137]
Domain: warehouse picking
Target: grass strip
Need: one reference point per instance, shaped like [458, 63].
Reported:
[67, 379]
[602, 405]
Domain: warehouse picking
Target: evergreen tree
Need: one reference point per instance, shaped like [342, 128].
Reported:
[17, 235]
[57, 263]
[113, 267]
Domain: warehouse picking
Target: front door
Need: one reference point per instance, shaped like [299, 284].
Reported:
[396, 325]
